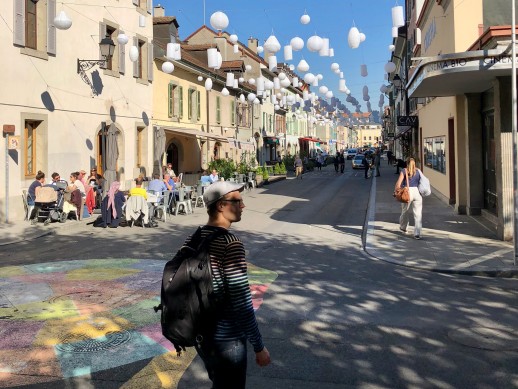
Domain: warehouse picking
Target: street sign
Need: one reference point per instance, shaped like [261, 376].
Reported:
[412, 121]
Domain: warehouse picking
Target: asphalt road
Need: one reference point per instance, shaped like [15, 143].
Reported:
[333, 317]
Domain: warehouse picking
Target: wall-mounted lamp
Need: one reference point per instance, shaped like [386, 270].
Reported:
[397, 82]
[107, 47]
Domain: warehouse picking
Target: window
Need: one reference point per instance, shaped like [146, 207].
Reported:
[30, 148]
[175, 101]
[144, 5]
[435, 154]
[218, 109]
[370, 137]
[140, 146]
[364, 138]
[243, 111]
[194, 104]
[143, 66]
[34, 28]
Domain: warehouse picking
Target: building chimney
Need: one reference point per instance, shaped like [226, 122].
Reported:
[158, 10]
[252, 44]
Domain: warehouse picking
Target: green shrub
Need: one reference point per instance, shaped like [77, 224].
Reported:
[225, 167]
[282, 168]
[266, 174]
[276, 169]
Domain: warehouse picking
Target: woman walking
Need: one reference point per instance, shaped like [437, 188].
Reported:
[410, 178]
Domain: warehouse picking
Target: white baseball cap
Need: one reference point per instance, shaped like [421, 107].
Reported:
[219, 189]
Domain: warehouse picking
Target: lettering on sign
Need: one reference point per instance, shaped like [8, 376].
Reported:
[411, 121]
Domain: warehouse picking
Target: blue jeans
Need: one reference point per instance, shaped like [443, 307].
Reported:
[225, 362]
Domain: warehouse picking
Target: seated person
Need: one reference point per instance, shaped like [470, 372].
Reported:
[156, 184]
[205, 178]
[169, 170]
[76, 183]
[169, 182]
[55, 178]
[36, 184]
[111, 207]
[138, 190]
[214, 176]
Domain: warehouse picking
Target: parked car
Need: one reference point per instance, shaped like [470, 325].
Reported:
[358, 161]
[351, 153]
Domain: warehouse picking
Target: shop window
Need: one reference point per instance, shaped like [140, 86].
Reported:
[435, 153]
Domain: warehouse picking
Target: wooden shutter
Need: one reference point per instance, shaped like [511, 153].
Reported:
[218, 110]
[122, 57]
[19, 23]
[102, 35]
[175, 102]
[232, 112]
[51, 28]
[198, 105]
[180, 101]
[150, 7]
[189, 103]
[135, 64]
[150, 58]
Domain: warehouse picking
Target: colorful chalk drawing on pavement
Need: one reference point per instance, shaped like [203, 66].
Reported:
[86, 318]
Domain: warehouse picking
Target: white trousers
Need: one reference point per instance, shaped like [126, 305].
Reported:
[416, 206]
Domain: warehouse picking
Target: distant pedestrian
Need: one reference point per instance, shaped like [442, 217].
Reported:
[411, 173]
[400, 164]
[298, 167]
[389, 156]
[337, 161]
[320, 161]
[377, 162]
[342, 162]
[366, 166]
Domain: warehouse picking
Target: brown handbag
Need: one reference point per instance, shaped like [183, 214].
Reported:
[403, 194]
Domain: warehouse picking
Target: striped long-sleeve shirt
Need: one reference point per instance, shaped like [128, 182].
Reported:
[230, 282]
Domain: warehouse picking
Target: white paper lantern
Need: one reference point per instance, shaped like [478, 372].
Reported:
[363, 70]
[62, 21]
[241, 79]
[288, 53]
[220, 60]
[269, 85]
[395, 32]
[225, 92]
[122, 39]
[331, 52]
[272, 44]
[303, 66]
[305, 19]
[248, 68]
[236, 49]
[353, 39]
[260, 49]
[314, 43]
[236, 84]
[133, 53]
[398, 19]
[362, 37]
[329, 94]
[315, 81]
[324, 50]
[309, 78]
[141, 21]
[212, 57]
[251, 97]
[297, 43]
[392, 47]
[200, 78]
[256, 101]
[305, 95]
[167, 67]
[233, 38]
[295, 82]
[276, 83]
[341, 85]
[347, 91]
[285, 83]
[260, 84]
[230, 80]
[219, 21]
[272, 63]
[242, 98]
[335, 66]
[277, 106]
[320, 77]
[323, 89]
[251, 81]
[341, 74]
[292, 67]
[282, 76]
[173, 52]
[390, 67]
[208, 84]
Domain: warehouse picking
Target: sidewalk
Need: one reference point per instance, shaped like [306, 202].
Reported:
[450, 243]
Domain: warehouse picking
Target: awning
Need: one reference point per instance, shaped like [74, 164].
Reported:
[271, 140]
[310, 139]
[195, 133]
[459, 73]
[402, 130]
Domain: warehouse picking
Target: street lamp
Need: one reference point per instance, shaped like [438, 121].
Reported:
[107, 49]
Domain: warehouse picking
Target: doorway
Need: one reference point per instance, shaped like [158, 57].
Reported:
[489, 160]
[172, 157]
[451, 161]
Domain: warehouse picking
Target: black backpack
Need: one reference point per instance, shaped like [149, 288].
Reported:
[189, 307]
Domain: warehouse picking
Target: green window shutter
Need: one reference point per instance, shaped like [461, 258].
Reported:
[189, 104]
[170, 98]
[198, 98]
[232, 112]
[180, 101]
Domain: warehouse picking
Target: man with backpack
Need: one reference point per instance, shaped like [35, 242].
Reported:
[222, 347]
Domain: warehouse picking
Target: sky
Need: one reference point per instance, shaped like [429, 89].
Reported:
[329, 19]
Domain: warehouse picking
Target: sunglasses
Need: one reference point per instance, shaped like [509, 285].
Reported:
[235, 201]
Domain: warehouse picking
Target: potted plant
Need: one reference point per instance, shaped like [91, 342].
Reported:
[259, 176]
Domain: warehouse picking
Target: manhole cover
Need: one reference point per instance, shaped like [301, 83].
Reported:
[485, 338]
[110, 340]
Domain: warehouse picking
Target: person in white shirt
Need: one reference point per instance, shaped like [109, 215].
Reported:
[214, 176]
